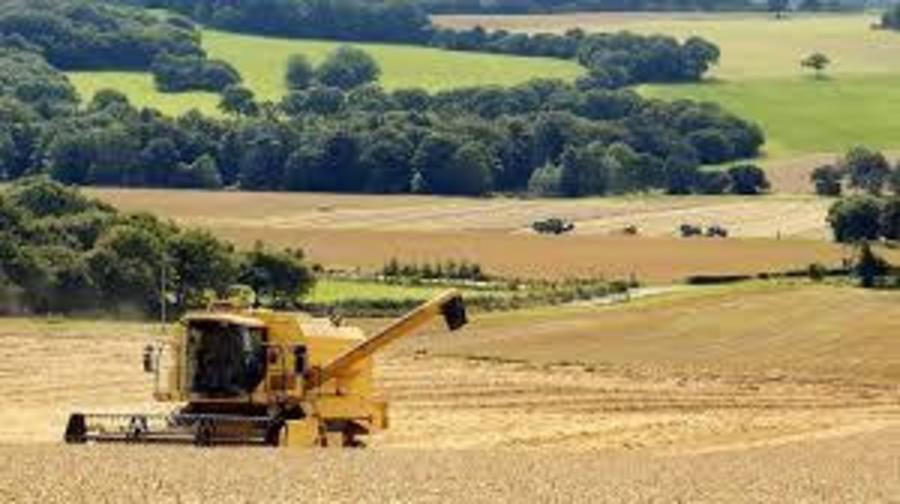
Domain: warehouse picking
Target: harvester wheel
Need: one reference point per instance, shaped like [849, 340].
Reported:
[76, 429]
[205, 430]
[137, 427]
[274, 432]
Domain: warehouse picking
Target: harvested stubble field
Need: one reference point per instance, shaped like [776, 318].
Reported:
[357, 231]
[641, 418]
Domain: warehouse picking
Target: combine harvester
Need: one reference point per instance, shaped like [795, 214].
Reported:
[249, 376]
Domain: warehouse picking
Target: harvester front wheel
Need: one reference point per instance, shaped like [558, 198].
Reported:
[204, 432]
[76, 429]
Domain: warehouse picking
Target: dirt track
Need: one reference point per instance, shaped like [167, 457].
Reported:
[470, 429]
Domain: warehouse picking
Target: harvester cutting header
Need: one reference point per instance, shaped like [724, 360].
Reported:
[250, 376]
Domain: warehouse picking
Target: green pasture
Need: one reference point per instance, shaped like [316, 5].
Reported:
[330, 290]
[262, 62]
[760, 78]
[802, 115]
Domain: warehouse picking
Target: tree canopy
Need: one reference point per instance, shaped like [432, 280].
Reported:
[62, 252]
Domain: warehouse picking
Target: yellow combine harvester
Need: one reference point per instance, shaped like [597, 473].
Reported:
[248, 376]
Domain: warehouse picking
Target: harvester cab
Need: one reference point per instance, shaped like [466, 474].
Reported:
[248, 376]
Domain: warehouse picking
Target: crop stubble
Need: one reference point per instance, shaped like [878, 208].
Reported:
[486, 415]
[354, 231]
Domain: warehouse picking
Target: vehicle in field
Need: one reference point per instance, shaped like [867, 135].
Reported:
[553, 225]
[252, 376]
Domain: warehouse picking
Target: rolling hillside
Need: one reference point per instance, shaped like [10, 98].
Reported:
[760, 78]
[262, 62]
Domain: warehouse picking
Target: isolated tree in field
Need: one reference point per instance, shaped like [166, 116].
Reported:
[348, 67]
[828, 180]
[855, 218]
[299, 72]
[817, 61]
[238, 100]
[868, 169]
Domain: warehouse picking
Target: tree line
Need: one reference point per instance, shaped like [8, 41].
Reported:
[61, 252]
[865, 217]
[364, 139]
[891, 18]
[86, 35]
[860, 169]
[338, 131]
[614, 60]
[352, 20]
[91, 35]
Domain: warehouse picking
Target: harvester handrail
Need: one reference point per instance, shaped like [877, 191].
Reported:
[401, 327]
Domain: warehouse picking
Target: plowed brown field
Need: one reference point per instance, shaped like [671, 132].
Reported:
[770, 392]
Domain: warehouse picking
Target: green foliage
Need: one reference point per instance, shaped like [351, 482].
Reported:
[200, 263]
[280, 277]
[891, 18]
[447, 270]
[126, 264]
[348, 67]
[25, 76]
[63, 252]
[613, 60]
[393, 21]
[890, 218]
[82, 34]
[300, 72]
[175, 74]
[816, 61]
[42, 198]
[869, 107]
[868, 169]
[465, 142]
[473, 166]
[856, 218]
[546, 181]
[238, 100]
[747, 179]
[828, 180]
[203, 173]
[587, 171]
[869, 266]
